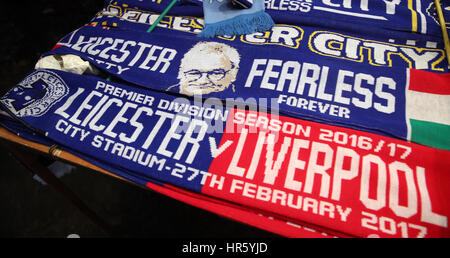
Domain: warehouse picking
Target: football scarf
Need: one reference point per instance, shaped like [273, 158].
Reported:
[417, 16]
[358, 81]
[333, 180]
[222, 18]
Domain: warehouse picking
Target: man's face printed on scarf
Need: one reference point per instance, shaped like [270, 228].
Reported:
[206, 71]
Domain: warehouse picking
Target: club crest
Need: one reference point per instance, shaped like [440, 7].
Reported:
[35, 94]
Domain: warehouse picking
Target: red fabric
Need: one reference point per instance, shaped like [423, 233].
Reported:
[428, 82]
[57, 46]
[242, 214]
[383, 187]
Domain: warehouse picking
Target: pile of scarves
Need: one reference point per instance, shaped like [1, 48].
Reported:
[333, 123]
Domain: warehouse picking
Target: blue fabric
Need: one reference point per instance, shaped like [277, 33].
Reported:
[222, 18]
[221, 10]
[238, 25]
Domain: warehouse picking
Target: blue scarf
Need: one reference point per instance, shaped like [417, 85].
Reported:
[417, 16]
[306, 69]
[222, 18]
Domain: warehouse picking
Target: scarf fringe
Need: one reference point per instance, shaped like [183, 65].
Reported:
[239, 25]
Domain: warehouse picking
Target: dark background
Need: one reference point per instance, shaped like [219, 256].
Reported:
[30, 209]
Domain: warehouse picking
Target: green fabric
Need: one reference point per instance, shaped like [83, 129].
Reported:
[431, 134]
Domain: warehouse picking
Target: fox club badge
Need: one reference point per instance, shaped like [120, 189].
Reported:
[35, 94]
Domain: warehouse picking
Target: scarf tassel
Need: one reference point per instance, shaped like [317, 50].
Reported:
[239, 25]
